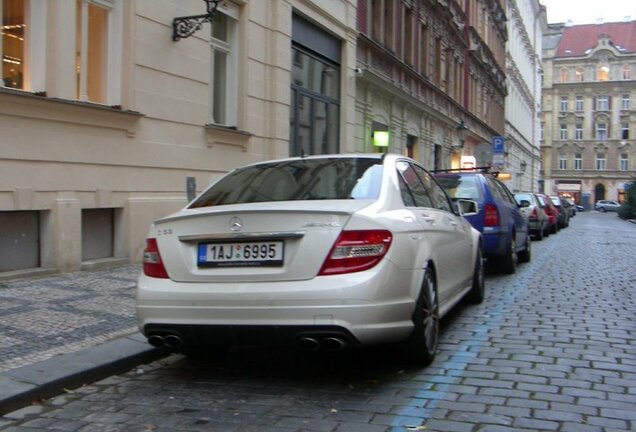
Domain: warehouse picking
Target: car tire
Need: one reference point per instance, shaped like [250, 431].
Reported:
[421, 346]
[540, 234]
[602, 210]
[478, 290]
[509, 261]
[525, 255]
[555, 228]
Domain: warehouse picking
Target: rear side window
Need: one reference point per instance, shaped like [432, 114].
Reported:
[301, 179]
[523, 197]
[461, 186]
[413, 182]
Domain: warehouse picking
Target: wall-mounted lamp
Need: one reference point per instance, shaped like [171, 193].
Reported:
[183, 27]
[462, 132]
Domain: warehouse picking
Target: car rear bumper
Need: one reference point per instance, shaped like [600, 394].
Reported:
[495, 243]
[366, 307]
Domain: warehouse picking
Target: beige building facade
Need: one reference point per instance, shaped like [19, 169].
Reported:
[106, 122]
[588, 112]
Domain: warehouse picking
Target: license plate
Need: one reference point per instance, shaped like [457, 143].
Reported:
[243, 254]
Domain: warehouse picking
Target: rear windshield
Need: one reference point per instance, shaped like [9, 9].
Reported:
[460, 186]
[303, 179]
[522, 197]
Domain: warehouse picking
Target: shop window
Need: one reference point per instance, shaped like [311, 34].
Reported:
[92, 51]
[315, 91]
[12, 43]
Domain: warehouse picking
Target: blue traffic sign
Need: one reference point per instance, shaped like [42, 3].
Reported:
[498, 145]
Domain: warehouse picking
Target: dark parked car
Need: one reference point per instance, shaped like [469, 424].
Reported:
[552, 212]
[564, 210]
[505, 229]
[533, 210]
[573, 206]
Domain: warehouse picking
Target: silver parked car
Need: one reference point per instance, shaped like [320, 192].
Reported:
[607, 205]
[531, 208]
[320, 252]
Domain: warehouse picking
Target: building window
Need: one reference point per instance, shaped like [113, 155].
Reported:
[12, 43]
[578, 132]
[624, 131]
[424, 50]
[602, 103]
[627, 72]
[315, 90]
[563, 104]
[578, 104]
[565, 75]
[223, 69]
[389, 18]
[579, 75]
[541, 131]
[625, 102]
[408, 35]
[602, 73]
[624, 162]
[563, 132]
[601, 131]
[600, 161]
[92, 51]
[377, 14]
[563, 162]
[578, 161]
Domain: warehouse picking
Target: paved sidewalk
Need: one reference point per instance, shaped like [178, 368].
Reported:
[59, 331]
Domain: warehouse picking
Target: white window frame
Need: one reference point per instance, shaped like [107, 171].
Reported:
[230, 49]
[578, 104]
[601, 132]
[578, 162]
[563, 162]
[112, 69]
[623, 162]
[625, 102]
[578, 132]
[602, 103]
[600, 161]
[563, 132]
[563, 104]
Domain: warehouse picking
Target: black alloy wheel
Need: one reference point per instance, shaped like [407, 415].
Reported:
[421, 346]
[478, 290]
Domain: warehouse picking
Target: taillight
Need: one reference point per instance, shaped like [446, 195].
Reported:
[491, 215]
[356, 251]
[533, 214]
[153, 265]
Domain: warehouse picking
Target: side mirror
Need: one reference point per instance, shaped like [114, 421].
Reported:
[467, 207]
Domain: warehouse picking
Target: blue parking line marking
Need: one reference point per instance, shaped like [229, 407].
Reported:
[405, 420]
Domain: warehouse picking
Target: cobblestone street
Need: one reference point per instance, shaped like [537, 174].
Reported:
[552, 348]
[48, 316]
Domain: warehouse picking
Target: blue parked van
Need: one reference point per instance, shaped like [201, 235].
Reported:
[505, 229]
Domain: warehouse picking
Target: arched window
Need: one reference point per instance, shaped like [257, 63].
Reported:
[565, 75]
[579, 75]
[602, 74]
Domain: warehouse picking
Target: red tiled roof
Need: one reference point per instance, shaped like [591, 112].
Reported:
[579, 38]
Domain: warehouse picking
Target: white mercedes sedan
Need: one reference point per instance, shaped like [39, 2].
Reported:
[320, 252]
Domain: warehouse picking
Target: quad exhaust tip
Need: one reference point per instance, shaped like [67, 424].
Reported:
[171, 341]
[330, 343]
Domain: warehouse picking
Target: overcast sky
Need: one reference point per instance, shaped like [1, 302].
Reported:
[589, 11]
